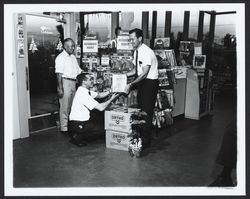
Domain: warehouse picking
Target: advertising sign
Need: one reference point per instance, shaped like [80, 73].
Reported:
[123, 43]
[90, 46]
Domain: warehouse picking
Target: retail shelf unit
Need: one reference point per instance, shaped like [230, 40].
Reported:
[199, 93]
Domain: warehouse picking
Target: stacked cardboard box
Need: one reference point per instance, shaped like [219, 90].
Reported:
[118, 127]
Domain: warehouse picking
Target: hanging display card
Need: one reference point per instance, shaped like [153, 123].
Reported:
[119, 83]
[90, 46]
[123, 43]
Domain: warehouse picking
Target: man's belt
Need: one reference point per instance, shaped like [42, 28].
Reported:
[69, 78]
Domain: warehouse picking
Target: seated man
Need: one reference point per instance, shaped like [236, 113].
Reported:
[83, 103]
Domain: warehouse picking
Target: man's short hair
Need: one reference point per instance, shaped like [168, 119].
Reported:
[81, 77]
[138, 32]
[66, 40]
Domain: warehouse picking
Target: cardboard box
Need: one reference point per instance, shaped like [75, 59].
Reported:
[117, 140]
[118, 120]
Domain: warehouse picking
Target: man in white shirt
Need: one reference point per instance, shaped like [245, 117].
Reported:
[67, 69]
[83, 103]
[146, 71]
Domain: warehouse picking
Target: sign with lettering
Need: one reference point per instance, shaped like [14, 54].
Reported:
[123, 43]
[90, 46]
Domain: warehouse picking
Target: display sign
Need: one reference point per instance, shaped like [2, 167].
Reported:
[90, 46]
[162, 42]
[119, 83]
[123, 43]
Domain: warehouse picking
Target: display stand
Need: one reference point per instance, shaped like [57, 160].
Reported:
[180, 96]
[199, 94]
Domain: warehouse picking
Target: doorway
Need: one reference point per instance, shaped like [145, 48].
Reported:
[44, 37]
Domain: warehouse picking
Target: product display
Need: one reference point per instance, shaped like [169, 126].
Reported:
[199, 94]
[166, 58]
[163, 108]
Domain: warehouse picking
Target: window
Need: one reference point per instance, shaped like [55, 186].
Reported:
[100, 25]
[193, 24]
[130, 20]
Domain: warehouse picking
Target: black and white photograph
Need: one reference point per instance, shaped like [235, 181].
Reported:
[93, 107]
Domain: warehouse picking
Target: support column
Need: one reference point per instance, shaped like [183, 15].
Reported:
[200, 26]
[210, 54]
[186, 25]
[70, 26]
[114, 23]
[154, 27]
[212, 28]
[82, 14]
[144, 26]
[168, 20]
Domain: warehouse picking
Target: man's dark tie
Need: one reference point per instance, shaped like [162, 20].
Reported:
[89, 93]
[136, 62]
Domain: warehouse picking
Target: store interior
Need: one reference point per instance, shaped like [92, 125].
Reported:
[196, 100]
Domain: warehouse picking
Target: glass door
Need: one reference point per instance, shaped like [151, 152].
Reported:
[44, 36]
